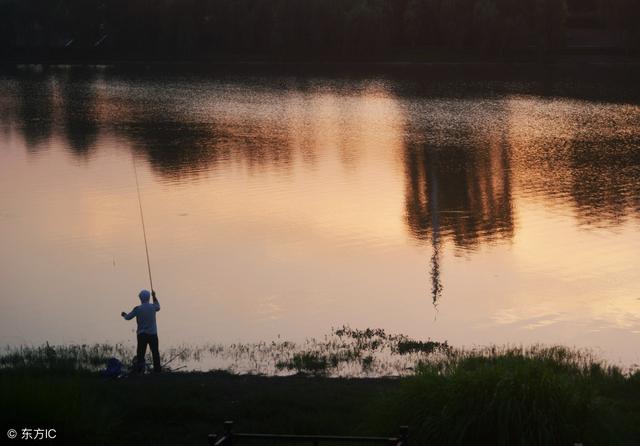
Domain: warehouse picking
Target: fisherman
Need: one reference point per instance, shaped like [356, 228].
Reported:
[147, 331]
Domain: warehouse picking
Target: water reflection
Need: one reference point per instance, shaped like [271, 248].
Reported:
[461, 193]
[31, 107]
[80, 120]
[456, 153]
[605, 186]
[335, 196]
[579, 152]
[458, 178]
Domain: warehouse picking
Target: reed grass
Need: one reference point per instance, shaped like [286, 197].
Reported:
[538, 395]
[345, 352]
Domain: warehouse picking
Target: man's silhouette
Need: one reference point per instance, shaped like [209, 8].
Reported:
[147, 331]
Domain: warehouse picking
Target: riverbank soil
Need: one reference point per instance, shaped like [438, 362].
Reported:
[183, 408]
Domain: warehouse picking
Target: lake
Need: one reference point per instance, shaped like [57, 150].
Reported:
[473, 209]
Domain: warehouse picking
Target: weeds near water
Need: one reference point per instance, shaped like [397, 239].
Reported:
[343, 352]
[62, 357]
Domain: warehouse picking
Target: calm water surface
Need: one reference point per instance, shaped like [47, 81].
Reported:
[467, 211]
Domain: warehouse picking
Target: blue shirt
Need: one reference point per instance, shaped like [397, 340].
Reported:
[145, 315]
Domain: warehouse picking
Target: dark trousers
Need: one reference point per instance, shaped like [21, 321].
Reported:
[152, 340]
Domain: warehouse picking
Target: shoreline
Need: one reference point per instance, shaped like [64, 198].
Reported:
[620, 71]
[568, 57]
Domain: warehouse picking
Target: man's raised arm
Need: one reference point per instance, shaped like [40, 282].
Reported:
[156, 303]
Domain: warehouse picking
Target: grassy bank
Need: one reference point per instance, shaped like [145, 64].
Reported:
[535, 396]
[505, 396]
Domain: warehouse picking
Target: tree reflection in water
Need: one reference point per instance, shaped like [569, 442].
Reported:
[461, 156]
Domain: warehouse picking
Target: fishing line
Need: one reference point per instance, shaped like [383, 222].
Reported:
[144, 230]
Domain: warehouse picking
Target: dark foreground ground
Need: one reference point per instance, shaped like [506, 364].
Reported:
[182, 408]
[516, 396]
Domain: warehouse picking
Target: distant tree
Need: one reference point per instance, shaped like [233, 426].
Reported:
[549, 20]
[623, 16]
[367, 32]
[487, 26]
[298, 29]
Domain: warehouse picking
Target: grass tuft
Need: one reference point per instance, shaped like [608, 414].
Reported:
[516, 396]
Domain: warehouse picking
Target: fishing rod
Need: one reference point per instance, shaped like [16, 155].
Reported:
[175, 356]
[144, 230]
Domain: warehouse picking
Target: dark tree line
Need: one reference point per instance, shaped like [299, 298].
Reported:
[624, 17]
[289, 28]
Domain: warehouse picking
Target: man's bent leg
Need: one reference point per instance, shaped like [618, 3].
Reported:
[155, 352]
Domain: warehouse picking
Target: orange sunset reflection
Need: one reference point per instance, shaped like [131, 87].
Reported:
[287, 206]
